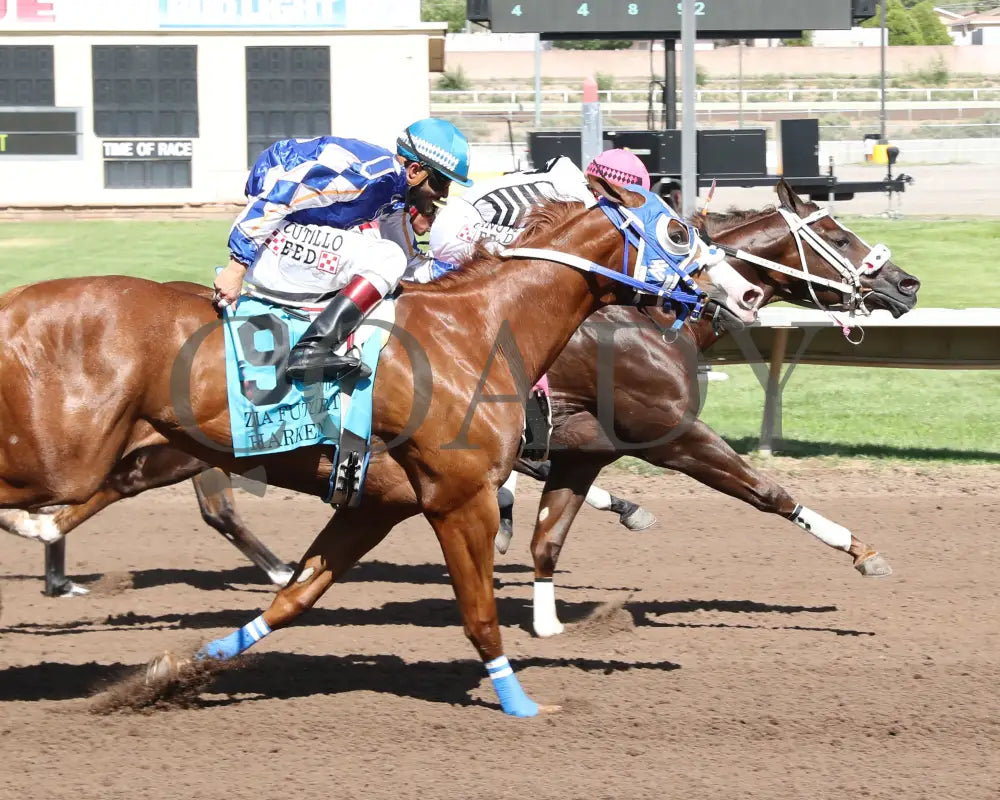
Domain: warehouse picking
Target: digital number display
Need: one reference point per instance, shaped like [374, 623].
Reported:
[713, 18]
[39, 132]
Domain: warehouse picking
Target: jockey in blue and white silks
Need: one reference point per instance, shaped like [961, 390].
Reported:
[298, 241]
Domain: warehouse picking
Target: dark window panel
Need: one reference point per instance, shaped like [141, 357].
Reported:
[26, 75]
[288, 95]
[147, 174]
[157, 83]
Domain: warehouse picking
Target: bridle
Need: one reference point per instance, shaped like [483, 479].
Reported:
[677, 285]
[850, 284]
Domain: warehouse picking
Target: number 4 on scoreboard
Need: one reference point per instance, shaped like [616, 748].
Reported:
[584, 10]
[516, 10]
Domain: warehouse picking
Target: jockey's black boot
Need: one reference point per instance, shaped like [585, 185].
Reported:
[313, 359]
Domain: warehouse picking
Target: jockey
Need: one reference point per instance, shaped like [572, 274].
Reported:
[495, 211]
[294, 240]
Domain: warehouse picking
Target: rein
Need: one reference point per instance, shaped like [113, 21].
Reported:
[682, 290]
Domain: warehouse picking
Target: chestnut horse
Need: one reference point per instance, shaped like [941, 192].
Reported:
[658, 391]
[97, 368]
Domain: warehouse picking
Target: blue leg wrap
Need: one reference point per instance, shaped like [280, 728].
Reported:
[235, 643]
[513, 700]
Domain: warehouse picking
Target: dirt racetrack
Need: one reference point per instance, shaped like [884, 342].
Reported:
[747, 660]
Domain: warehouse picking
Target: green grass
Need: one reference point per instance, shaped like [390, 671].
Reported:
[828, 411]
[164, 250]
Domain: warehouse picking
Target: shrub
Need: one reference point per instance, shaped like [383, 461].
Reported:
[454, 80]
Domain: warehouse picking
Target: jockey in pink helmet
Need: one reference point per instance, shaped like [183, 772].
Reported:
[620, 167]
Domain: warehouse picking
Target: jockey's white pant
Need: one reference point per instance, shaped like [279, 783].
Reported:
[305, 263]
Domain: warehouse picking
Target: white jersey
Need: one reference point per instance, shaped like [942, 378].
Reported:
[494, 211]
[304, 265]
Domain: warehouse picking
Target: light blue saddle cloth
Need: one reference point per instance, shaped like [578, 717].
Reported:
[268, 414]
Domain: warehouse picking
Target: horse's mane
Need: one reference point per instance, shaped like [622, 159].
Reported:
[716, 224]
[481, 262]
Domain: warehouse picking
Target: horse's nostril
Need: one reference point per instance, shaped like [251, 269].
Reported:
[909, 285]
[751, 297]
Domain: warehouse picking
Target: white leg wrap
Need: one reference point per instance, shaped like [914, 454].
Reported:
[545, 621]
[823, 529]
[510, 483]
[598, 498]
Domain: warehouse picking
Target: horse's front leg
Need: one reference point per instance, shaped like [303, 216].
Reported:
[701, 453]
[569, 480]
[466, 537]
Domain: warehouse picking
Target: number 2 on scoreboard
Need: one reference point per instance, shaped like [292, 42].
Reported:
[699, 8]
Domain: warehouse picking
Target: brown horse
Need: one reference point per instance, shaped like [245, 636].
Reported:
[657, 395]
[97, 368]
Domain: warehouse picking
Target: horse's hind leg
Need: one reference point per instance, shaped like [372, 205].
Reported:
[701, 453]
[215, 499]
[148, 467]
[564, 494]
[631, 515]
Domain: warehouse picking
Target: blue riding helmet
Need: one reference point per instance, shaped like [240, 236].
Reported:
[438, 144]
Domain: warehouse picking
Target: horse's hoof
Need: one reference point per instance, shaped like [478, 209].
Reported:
[503, 537]
[281, 577]
[164, 668]
[638, 519]
[67, 588]
[874, 566]
[545, 629]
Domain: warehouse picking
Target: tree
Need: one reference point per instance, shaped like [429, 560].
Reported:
[805, 41]
[902, 28]
[932, 29]
[450, 11]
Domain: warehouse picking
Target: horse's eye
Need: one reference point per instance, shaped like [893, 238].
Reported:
[842, 242]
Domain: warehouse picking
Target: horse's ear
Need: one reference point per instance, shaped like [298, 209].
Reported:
[789, 199]
[615, 194]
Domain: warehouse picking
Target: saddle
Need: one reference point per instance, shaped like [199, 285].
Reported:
[269, 414]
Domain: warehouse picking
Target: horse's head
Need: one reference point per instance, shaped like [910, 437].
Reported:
[667, 255]
[805, 256]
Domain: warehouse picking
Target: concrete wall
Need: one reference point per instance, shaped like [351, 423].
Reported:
[378, 84]
[577, 64]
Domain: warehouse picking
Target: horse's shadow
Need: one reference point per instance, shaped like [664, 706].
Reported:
[239, 578]
[441, 612]
[288, 675]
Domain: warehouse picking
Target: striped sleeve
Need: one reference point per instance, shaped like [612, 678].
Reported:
[331, 176]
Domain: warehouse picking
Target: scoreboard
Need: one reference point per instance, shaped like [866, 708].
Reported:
[713, 18]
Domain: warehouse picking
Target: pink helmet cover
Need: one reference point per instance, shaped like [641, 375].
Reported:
[620, 167]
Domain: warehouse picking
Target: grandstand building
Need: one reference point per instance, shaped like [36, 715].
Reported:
[145, 102]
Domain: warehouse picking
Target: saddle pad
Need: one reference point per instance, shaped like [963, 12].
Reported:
[268, 414]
